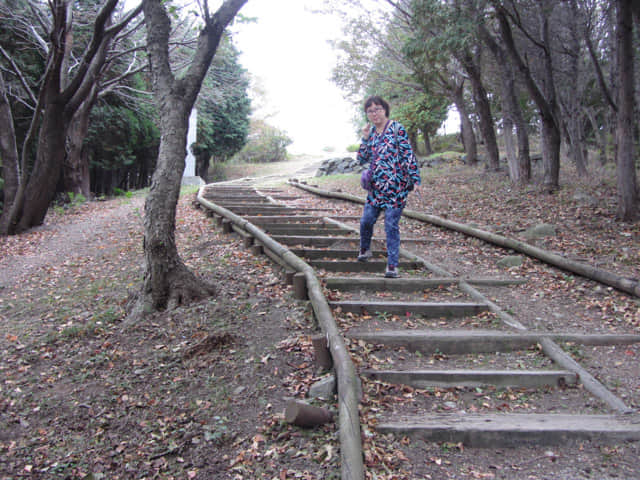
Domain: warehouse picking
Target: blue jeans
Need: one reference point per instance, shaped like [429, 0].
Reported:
[392, 230]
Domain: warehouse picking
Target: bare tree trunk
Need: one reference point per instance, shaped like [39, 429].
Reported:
[466, 128]
[167, 280]
[546, 104]
[572, 111]
[413, 138]
[75, 172]
[41, 186]
[627, 185]
[601, 137]
[8, 154]
[510, 149]
[202, 166]
[520, 165]
[551, 142]
[483, 110]
[576, 142]
[428, 149]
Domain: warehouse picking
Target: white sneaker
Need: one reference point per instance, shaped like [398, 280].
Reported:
[392, 272]
[364, 256]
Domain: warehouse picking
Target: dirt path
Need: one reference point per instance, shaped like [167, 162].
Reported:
[89, 231]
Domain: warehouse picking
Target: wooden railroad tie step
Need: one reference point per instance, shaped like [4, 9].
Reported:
[323, 241]
[474, 378]
[337, 254]
[258, 210]
[410, 284]
[279, 219]
[355, 266]
[426, 309]
[237, 199]
[310, 240]
[304, 229]
[514, 430]
[480, 341]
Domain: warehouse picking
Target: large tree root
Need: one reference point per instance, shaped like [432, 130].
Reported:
[178, 287]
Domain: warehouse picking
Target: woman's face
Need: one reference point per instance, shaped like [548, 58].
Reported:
[376, 114]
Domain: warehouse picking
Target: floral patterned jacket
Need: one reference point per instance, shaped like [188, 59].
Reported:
[394, 165]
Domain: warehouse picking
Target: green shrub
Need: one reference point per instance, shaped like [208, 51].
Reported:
[264, 144]
[217, 172]
[451, 142]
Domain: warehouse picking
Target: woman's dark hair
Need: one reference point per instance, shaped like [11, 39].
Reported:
[377, 101]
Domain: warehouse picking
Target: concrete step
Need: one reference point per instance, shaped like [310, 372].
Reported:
[515, 430]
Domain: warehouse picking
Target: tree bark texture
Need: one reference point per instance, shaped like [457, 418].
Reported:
[546, 104]
[75, 173]
[483, 109]
[626, 170]
[167, 280]
[8, 152]
[520, 163]
[510, 148]
[466, 128]
[428, 149]
[573, 112]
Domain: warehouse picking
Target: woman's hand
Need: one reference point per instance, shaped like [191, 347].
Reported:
[365, 131]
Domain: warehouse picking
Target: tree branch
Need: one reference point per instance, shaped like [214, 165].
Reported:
[19, 74]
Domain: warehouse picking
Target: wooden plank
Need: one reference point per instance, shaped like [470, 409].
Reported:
[342, 254]
[475, 378]
[258, 210]
[308, 240]
[223, 199]
[347, 284]
[266, 219]
[482, 341]
[449, 342]
[514, 430]
[426, 309]
[295, 229]
[355, 266]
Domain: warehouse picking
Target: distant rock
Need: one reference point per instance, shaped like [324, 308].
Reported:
[510, 261]
[584, 198]
[540, 231]
[334, 166]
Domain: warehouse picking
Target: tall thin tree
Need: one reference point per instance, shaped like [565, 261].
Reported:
[627, 183]
[168, 282]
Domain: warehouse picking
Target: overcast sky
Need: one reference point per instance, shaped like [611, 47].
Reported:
[287, 53]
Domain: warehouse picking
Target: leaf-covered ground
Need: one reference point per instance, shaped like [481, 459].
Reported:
[199, 392]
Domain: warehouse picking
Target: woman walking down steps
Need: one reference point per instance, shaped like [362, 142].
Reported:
[385, 146]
